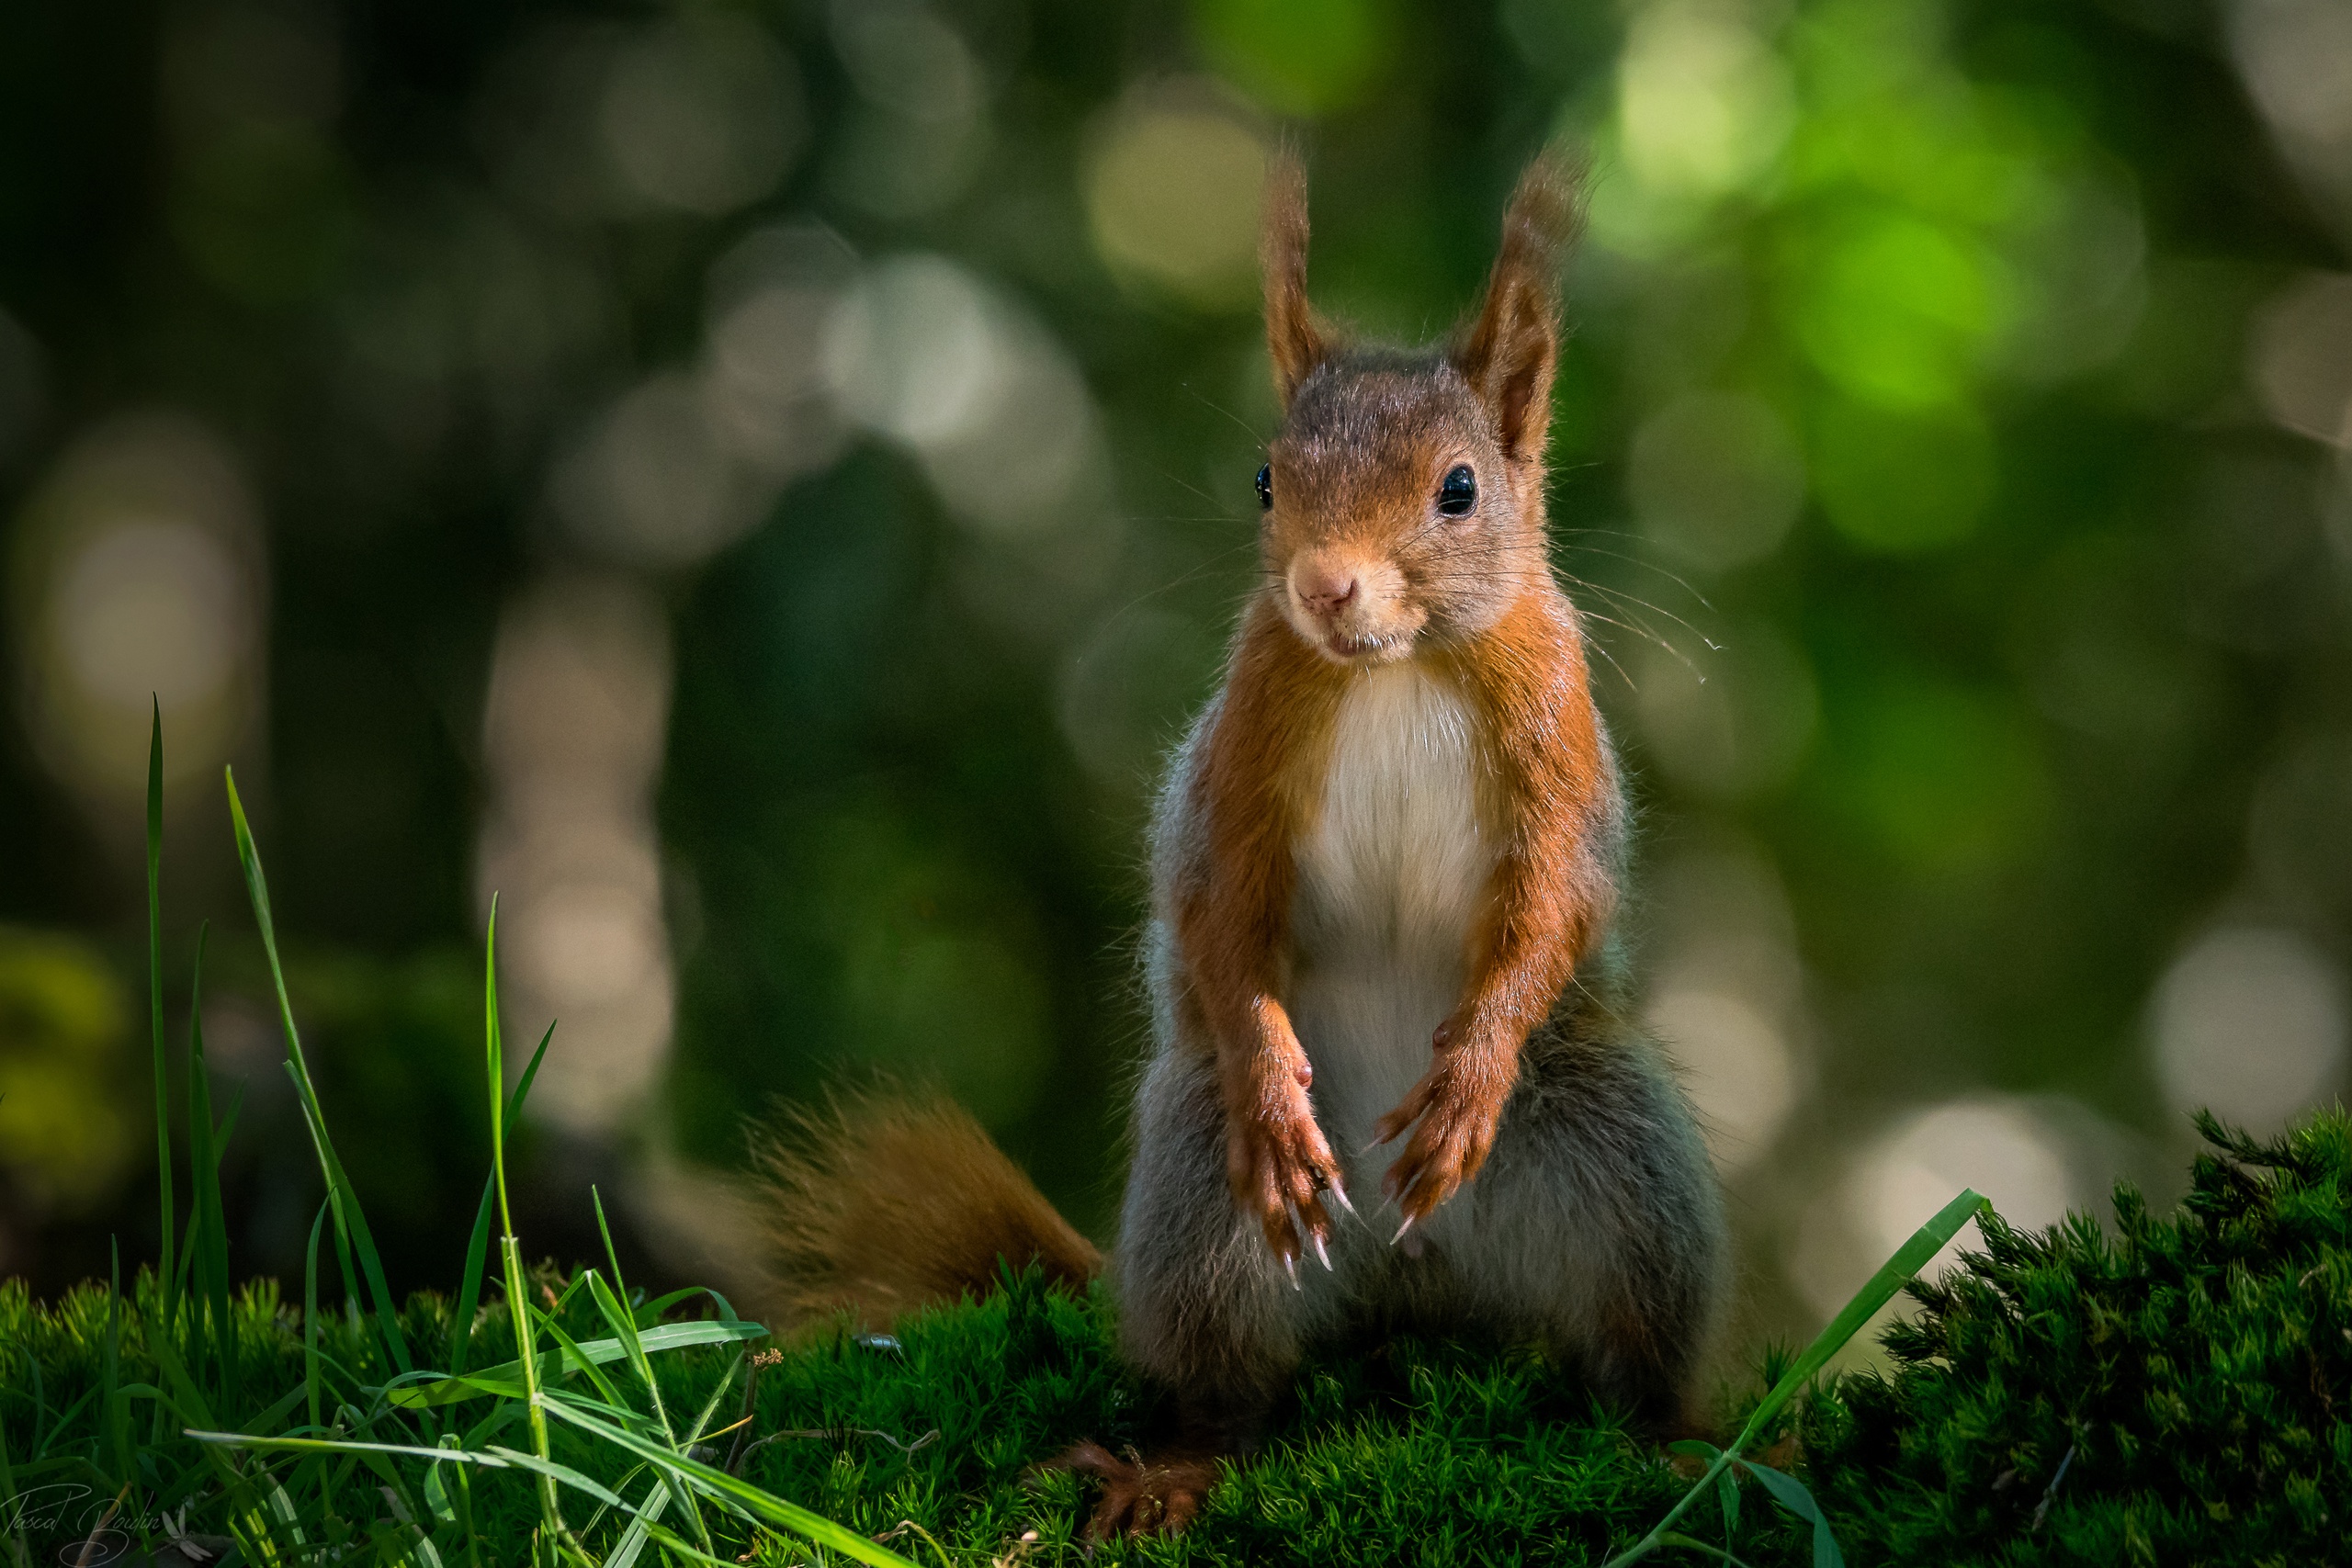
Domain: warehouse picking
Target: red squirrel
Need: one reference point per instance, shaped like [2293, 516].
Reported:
[1384, 869]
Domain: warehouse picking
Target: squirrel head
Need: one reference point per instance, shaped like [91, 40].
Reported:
[1403, 494]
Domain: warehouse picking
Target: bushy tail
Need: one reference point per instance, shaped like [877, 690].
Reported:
[890, 1201]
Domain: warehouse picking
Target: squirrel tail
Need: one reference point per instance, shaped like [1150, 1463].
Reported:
[885, 1202]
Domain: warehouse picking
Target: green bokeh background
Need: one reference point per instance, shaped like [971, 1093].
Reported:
[1949, 561]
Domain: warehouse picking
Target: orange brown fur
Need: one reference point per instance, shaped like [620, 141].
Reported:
[1550, 898]
[885, 1202]
[1294, 339]
[1254, 789]
[1511, 348]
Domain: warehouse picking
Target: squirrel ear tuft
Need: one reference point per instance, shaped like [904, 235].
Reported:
[1294, 339]
[1510, 349]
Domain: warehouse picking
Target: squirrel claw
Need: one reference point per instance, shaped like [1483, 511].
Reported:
[1290, 1266]
[1401, 1230]
[1322, 1252]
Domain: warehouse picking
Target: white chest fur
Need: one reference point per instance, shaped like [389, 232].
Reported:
[1392, 875]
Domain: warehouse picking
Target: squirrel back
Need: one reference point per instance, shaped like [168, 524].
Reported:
[886, 1201]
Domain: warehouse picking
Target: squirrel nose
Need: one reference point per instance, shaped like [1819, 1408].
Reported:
[1326, 590]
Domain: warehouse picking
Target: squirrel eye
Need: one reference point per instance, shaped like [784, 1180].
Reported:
[1459, 493]
[1266, 487]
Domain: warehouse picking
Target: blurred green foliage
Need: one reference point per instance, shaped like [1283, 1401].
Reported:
[63, 1031]
[1913, 461]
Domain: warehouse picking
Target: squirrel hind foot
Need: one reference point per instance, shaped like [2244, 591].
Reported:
[1141, 1496]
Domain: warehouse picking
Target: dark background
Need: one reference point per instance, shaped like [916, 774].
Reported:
[758, 485]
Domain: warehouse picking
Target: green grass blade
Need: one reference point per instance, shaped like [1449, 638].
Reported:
[510, 1251]
[650, 1313]
[461, 1319]
[717, 1484]
[166, 1273]
[1891, 1276]
[1790, 1494]
[611, 1302]
[351, 1222]
[19, 1549]
[354, 1298]
[677, 1545]
[208, 1239]
[248, 1518]
[625, 1330]
[188, 1398]
[199, 1144]
[461, 1324]
[640, 1529]
[632, 1542]
[311, 1316]
[115, 1410]
[436, 1493]
[507, 1375]
[573, 1356]
[264, 1421]
[494, 1458]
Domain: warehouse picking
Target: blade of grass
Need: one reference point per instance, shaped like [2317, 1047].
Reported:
[518, 1305]
[461, 1324]
[649, 1313]
[717, 1484]
[626, 1551]
[1790, 1494]
[608, 1302]
[611, 1304]
[507, 1376]
[494, 1458]
[115, 1410]
[207, 1240]
[266, 1420]
[351, 1222]
[569, 1349]
[632, 1541]
[165, 1272]
[354, 1300]
[19, 1549]
[310, 1315]
[1891, 1276]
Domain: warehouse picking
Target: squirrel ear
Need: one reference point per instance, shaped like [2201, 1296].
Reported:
[1508, 354]
[1295, 340]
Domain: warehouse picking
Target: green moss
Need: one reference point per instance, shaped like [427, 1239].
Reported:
[2192, 1375]
[1402, 1451]
[1409, 1452]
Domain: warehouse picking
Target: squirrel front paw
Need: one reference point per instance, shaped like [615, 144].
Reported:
[1459, 1104]
[1279, 1165]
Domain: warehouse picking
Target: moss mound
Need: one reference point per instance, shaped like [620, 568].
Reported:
[1404, 1451]
[2178, 1392]
[1407, 1451]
